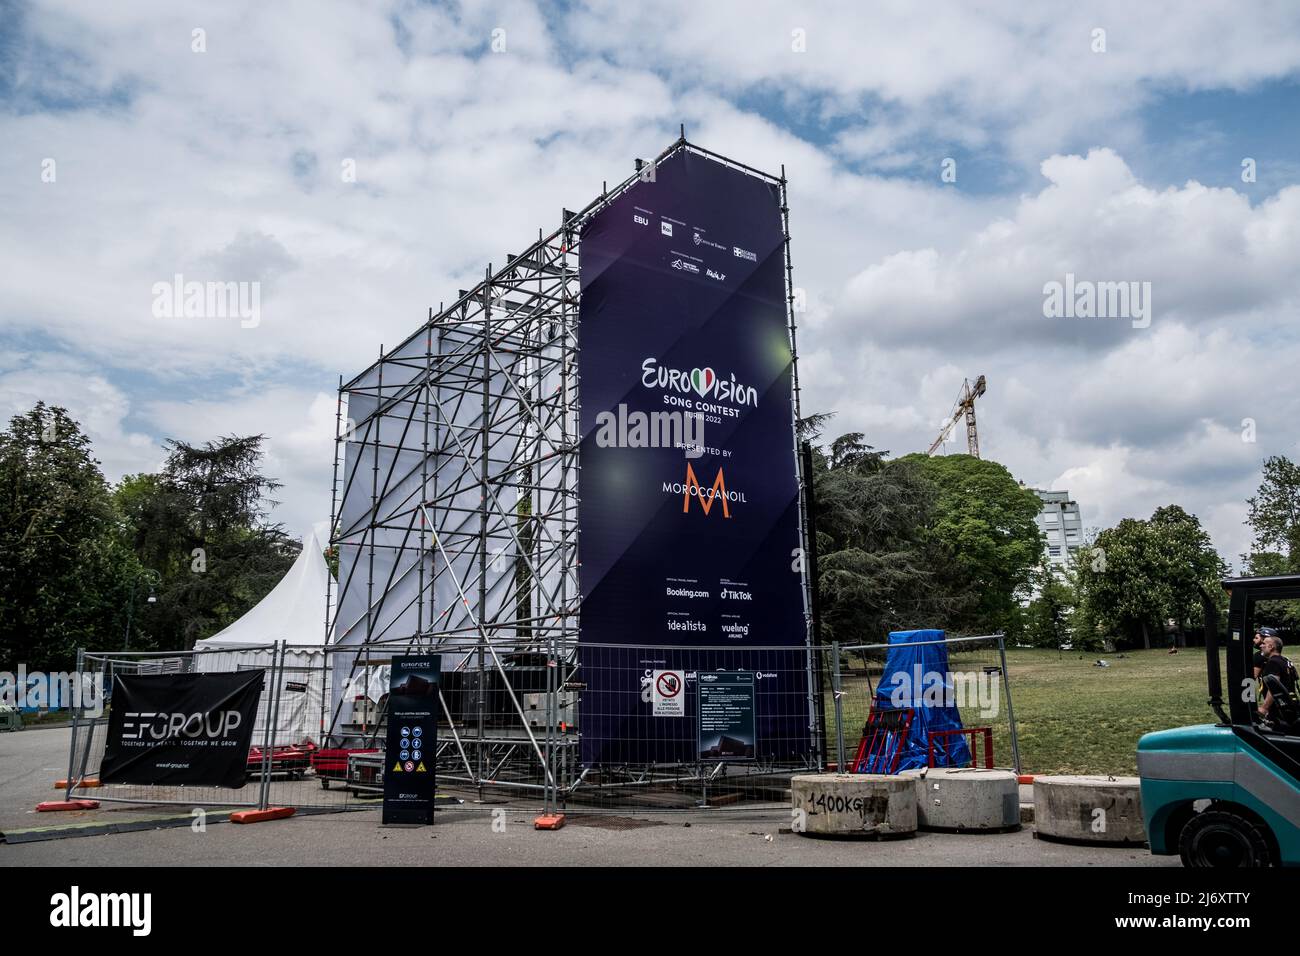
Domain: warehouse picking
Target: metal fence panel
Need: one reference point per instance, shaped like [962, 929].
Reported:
[977, 682]
[522, 726]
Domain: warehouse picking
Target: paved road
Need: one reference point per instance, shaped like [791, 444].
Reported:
[462, 838]
[29, 762]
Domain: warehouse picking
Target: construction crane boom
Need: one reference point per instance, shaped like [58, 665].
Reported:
[964, 408]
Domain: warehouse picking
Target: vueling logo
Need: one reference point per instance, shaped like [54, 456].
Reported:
[691, 488]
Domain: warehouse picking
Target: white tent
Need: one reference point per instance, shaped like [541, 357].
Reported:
[293, 612]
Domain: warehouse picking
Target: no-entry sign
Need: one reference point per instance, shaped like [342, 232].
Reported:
[667, 694]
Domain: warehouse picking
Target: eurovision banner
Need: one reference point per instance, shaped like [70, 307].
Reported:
[688, 488]
[193, 729]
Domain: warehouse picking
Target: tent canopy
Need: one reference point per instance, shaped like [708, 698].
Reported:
[293, 612]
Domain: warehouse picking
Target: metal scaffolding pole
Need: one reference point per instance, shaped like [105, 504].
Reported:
[462, 539]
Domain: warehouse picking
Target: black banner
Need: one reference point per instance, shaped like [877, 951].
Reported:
[412, 738]
[192, 729]
[689, 487]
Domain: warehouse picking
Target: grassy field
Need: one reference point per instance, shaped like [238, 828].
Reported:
[1072, 716]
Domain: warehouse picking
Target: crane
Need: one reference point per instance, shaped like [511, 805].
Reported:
[965, 406]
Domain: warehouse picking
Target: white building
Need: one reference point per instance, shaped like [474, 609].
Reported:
[1059, 521]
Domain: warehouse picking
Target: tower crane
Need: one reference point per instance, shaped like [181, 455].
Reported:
[965, 406]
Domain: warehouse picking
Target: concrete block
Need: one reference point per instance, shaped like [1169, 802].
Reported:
[1096, 810]
[854, 804]
[966, 800]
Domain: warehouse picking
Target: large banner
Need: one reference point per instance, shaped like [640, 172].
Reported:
[193, 729]
[688, 488]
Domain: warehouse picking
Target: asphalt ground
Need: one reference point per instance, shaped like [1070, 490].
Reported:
[31, 760]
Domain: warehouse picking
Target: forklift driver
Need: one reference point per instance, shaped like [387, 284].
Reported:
[1260, 634]
[1275, 665]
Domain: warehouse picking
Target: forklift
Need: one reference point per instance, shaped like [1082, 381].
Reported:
[1228, 794]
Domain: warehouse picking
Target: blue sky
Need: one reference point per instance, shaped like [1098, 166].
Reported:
[225, 164]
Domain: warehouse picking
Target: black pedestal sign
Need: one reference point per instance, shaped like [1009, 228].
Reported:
[412, 736]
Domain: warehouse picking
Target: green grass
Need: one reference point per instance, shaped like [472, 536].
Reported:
[1071, 716]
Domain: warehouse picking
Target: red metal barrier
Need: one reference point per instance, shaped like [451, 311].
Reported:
[942, 737]
[883, 740]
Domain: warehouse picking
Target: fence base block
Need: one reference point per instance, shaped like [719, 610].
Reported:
[49, 805]
[966, 799]
[257, 816]
[878, 806]
[549, 821]
[1095, 810]
[90, 784]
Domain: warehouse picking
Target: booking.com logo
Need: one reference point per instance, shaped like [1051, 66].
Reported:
[55, 690]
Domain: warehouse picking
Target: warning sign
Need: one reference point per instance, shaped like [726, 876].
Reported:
[412, 731]
[667, 693]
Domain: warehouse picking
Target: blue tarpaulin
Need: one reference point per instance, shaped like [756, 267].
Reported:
[916, 676]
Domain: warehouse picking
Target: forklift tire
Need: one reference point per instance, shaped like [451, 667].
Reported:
[1221, 838]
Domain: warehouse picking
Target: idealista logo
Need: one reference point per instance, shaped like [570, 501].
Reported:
[691, 488]
[703, 381]
[74, 909]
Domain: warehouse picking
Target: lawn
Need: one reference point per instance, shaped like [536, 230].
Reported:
[1072, 716]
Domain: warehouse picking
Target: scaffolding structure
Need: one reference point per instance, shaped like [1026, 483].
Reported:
[454, 512]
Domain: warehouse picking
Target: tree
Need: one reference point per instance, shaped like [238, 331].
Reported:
[1047, 618]
[877, 572]
[1283, 614]
[65, 569]
[201, 525]
[1187, 565]
[985, 523]
[1122, 594]
[1274, 515]
[1139, 574]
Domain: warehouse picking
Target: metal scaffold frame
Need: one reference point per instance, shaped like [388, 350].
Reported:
[454, 509]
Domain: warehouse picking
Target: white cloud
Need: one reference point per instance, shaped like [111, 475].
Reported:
[227, 165]
[1025, 76]
[100, 407]
[1208, 255]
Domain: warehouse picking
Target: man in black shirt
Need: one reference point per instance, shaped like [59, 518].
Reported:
[1277, 665]
[1260, 634]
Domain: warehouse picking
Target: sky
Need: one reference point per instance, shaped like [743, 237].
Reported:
[361, 162]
